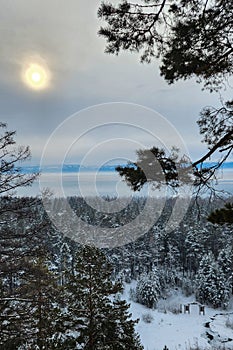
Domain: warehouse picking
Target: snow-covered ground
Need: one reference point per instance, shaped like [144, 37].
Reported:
[180, 331]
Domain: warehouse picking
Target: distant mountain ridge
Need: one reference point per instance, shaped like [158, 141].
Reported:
[67, 168]
[74, 168]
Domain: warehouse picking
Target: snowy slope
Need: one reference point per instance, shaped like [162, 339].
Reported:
[180, 331]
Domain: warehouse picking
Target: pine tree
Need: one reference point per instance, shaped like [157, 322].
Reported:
[222, 216]
[118, 323]
[10, 327]
[95, 319]
[148, 289]
[202, 278]
[31, 317]
[43, 322]
[211, 283]
[225, 261]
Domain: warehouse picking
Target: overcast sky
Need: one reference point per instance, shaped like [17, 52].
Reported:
[61, 36]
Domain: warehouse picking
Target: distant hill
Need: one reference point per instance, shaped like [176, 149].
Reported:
[74, 168]
[67, 168]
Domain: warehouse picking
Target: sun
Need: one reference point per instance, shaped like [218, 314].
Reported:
[36, 76]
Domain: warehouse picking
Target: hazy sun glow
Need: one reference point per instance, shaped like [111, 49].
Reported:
[36, 76]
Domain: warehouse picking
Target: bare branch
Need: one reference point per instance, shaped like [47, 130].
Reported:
[219, 144]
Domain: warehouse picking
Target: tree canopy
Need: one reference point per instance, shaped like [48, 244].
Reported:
[11, 157]
[157, 167]
[191, 38]
[222, 216]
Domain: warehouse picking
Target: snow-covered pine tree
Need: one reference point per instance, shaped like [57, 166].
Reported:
[211, 283]
[97, 321]
[119, 323]
[194, 246]
[21, 233]
[43, 321]
[10, 321]
[202, 279]
[148, 289]
[225, 261]
[31, 316]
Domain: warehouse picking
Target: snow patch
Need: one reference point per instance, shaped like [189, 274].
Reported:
[182, 330]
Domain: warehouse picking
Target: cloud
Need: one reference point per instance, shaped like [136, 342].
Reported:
[63, 36]
[55, 30]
